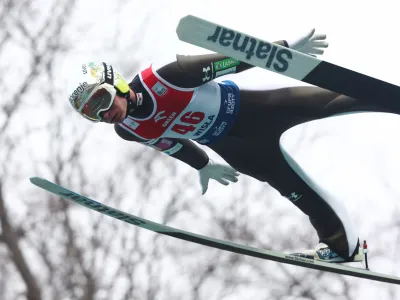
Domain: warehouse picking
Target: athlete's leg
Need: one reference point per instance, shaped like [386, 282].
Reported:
[280, 109]
[334, 227]
[263, 117]
[263, 160]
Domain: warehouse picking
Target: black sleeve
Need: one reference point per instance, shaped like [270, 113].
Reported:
[190, 154]
[184, 150]
[190, 71]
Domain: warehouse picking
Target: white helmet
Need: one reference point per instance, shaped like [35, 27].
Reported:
[92, 88]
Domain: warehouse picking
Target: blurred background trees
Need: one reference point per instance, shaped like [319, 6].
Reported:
[52, 249]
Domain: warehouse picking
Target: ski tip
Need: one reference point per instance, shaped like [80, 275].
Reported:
[184, 24]
[181, 25]
[36, 180]
[186, 18]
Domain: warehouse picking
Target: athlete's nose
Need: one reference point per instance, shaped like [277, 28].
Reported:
[105, 115]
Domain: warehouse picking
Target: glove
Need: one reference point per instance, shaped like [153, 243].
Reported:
[310, 44]
[221, 173]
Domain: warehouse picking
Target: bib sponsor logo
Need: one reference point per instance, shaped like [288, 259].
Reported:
[218, 130]
[159, 116]
[131, 123]
[205, 126]
[159, 89]
[230, 104]
[277, 59]
[203, 141]
[170, 118]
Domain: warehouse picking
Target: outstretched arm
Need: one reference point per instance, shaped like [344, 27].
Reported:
[181, 149]
[188, 152]
[190, 71]
[195, 70]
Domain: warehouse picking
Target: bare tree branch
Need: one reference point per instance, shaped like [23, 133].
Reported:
[10, 239]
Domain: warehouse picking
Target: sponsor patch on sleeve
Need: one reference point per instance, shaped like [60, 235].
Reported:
[225, 64]
[174, 149]
[225, 72]
[164, 144]
[224, 67]
[139, 99]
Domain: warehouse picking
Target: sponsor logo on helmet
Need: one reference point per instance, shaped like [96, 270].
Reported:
[84, 69]
[109, 72]
[78, 91]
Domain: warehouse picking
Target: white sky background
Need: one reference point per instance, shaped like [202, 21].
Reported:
[355, 157]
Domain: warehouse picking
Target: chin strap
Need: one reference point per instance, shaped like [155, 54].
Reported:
[120, 86]
[131, 106]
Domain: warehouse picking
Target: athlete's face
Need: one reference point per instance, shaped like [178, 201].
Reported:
[117, 111]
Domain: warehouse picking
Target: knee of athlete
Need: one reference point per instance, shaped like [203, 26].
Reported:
[340, 104]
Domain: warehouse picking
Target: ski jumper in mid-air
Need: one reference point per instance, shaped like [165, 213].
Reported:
[172, 107]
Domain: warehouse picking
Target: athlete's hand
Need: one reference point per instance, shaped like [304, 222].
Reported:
[221, 173]
[310, 44]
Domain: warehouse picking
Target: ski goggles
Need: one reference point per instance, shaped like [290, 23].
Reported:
[99, 100]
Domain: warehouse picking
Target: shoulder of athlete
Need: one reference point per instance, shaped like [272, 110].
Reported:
[190, 71]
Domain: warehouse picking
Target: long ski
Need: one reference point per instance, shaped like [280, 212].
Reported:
[284, 61]
[209, 241]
